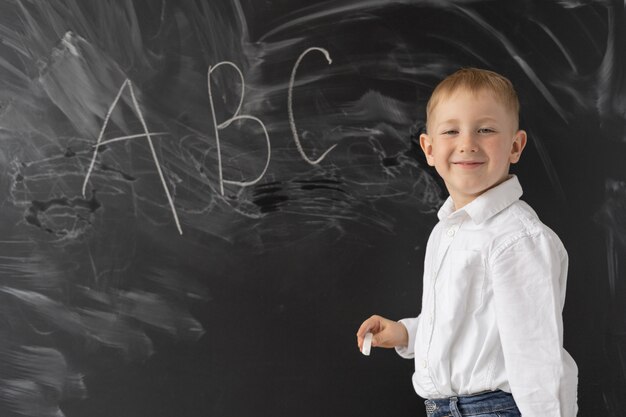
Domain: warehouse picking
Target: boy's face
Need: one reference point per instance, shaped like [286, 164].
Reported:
[471, 141]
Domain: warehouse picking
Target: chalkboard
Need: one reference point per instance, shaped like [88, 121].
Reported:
[202, 200]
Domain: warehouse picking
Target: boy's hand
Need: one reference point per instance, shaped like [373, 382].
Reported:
[386, 333]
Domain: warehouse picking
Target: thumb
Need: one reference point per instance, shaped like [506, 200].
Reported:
[383, 339]
[377, 340]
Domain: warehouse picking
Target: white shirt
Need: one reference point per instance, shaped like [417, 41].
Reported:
[494, 289]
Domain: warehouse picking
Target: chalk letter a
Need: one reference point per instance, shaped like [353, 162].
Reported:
[146, 135]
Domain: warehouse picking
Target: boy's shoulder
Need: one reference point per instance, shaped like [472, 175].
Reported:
[520, 215]
[519, 222]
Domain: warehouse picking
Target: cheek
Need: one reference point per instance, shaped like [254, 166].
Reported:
[436, 158]
[501, 152]
[441, 153]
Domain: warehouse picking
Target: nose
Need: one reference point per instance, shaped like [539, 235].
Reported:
[467, 143]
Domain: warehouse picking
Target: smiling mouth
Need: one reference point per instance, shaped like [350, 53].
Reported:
[468, 164]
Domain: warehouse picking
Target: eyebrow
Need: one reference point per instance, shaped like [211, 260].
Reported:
[487, 119]
[479, 120]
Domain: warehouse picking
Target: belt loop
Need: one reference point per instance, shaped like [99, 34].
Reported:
[430, 407]
[453, 408]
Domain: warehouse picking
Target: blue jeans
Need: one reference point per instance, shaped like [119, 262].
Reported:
[486, 404]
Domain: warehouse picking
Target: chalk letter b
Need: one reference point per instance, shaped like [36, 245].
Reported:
[227, 123]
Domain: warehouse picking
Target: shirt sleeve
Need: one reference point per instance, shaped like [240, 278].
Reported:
[529, 277]
[408, 352]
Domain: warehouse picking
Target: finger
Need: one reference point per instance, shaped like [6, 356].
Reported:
[370, 325]
[376, 340]
[364, 328]
[360, 340]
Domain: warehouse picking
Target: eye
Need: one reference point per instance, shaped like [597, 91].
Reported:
[486, 130]
[450, 132]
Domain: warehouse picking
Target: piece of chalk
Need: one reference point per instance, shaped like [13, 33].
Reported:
[367, 344]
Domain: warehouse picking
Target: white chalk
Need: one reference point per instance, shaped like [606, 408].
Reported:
[367, 344]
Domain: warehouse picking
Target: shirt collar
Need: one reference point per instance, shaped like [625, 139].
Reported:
[488, 204]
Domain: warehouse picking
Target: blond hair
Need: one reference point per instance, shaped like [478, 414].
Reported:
[476, 80]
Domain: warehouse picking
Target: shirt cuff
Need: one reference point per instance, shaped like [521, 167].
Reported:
[408, 351]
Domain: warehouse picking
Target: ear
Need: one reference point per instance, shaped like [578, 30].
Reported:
[519, 143]
[426, 143]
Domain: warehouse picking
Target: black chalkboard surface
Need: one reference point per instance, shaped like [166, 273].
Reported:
[202, 199]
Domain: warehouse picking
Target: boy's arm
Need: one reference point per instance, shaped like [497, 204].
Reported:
[529, 277]
[408, 351]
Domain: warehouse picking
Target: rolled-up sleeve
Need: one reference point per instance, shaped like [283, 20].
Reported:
[529, 276]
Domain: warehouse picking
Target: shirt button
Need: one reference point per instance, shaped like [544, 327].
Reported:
[451, 231]
[424, 364]
[431, 319]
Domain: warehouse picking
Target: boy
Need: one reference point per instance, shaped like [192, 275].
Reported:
[494, 275]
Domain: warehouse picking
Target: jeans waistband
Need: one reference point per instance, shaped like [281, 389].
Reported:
[462, 405]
